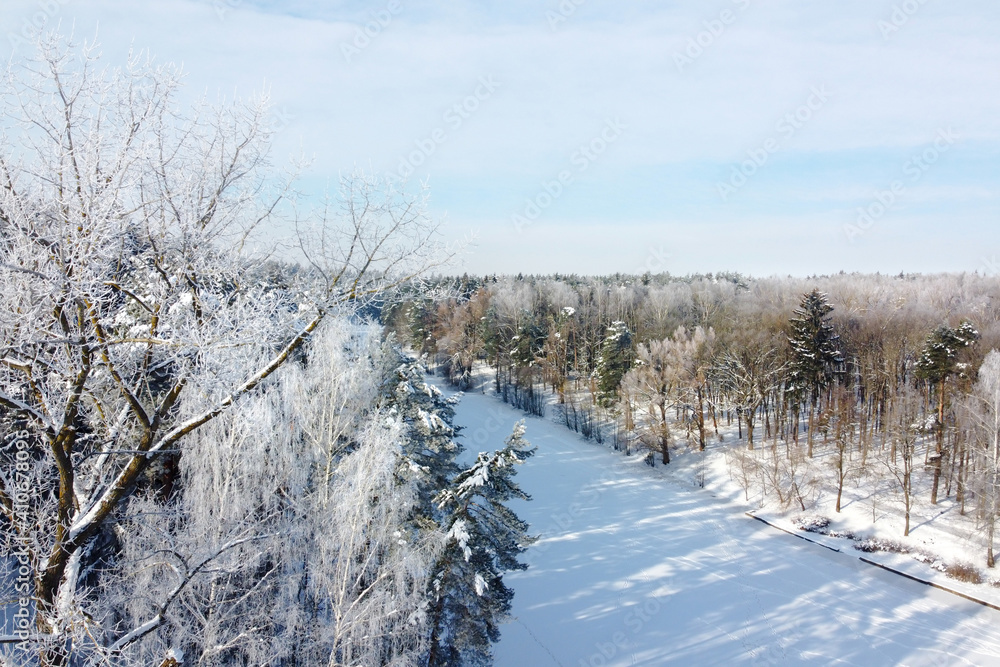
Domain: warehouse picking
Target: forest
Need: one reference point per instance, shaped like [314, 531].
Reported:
[210, 455]
[219, 448]
[892, 381]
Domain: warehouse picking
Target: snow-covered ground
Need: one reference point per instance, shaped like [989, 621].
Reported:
[633, 568]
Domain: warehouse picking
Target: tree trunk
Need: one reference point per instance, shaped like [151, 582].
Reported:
[990, 528]
[906, 500]
[809, 435]
[435, 640]
[751, 422]
[664, 434]
[940, 445]
[701, 420]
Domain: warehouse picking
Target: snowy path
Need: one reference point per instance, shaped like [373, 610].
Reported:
[635, 570]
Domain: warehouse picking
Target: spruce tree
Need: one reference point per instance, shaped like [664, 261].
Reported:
[430, 447]
[485, 538]
[616, 358]
[816, 356]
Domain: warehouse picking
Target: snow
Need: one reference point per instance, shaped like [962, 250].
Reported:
[481, 585]
[432, 422]
[479, 477]
[461, 535]
[635, 569]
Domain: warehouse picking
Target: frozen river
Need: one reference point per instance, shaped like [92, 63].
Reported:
[635, 570]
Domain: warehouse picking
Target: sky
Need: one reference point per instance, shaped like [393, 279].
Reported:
[578, 136]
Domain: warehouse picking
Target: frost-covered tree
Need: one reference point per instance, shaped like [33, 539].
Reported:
[291, 539]
[135, 310]
[816, 354]
[908, 424]
[667, 375]
[648, 393]
[461, 338]
[485, 539]
[431, 448]
[938, 362]
[983, 409]
[746, 376]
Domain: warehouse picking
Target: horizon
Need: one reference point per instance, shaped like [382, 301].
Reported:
[722, 275]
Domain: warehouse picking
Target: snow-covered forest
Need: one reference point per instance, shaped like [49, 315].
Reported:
[210, 456]
[219, 444]
[885, 386]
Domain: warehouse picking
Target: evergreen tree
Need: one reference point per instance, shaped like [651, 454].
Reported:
[616, 358]
[484, 540]
[939, 361]
[420, 325]
[816, 356]
[528, 344]
[430, 447]
[939, 357]
[815, 350]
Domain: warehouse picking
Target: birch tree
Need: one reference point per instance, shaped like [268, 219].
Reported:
[135, 309]
[983, 410]
[649, 392]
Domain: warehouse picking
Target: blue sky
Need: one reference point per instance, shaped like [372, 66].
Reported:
[692, 136]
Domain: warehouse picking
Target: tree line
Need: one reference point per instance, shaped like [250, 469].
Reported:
[889, 375]
[207, 455]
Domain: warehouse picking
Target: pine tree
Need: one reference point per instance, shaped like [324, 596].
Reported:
[816, 357]
[939, 361]
[616, 358]
[485, 539]
[939, 357]
[528, 345]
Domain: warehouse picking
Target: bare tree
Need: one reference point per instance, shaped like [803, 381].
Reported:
[908, 422]
[135, 310]
[747, 375]
[844, 415]
[649, 393]
[983, 412]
